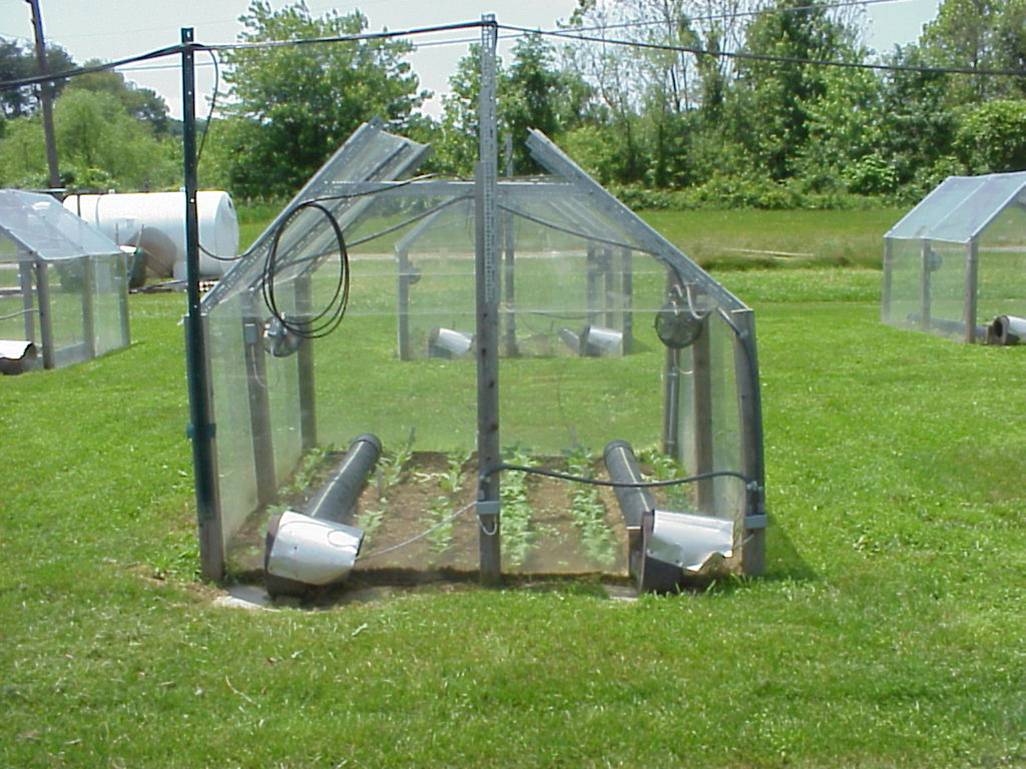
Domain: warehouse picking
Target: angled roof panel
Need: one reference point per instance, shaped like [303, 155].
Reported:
[370, 154]
[959, 208]
[42, 227]
[595, 197]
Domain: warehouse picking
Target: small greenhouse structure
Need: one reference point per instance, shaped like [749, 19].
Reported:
[957, 261]
[538, 309]
[63, 284]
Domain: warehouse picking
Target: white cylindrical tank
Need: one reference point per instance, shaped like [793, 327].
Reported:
[155, 223]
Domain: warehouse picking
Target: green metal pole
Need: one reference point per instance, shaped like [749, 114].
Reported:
[201, 429]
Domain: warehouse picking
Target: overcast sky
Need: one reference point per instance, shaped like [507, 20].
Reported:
[116, 29]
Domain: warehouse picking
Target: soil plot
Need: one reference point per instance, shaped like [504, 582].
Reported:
[420, 523]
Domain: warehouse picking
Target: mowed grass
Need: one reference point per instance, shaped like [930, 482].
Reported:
[888, 631]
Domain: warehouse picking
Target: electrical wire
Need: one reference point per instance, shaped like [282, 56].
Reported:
[77, 71]
[771, 58]
[328, 319]
[210, 113]
[418, 537]
[488, 472]
[732, 16]
[383, 35]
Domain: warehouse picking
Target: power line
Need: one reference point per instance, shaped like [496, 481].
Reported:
[766, 57]
[735, 15]
[269, 44]
[383, 35]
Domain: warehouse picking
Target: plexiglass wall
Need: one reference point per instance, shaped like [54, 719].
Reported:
[580, 283]
[63, 285]
[958, 259]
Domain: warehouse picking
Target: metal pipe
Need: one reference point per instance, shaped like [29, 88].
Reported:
[622, 466]
[201, 429]
[308, 550]
[336, 501]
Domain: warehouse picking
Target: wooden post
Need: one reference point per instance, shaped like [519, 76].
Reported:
[749, 401]
[88, 305]
[701, 365]
[972, 254]
[45, 314]
[925, 266]
[27, 302]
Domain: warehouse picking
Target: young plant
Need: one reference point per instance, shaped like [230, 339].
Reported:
[517, 537]
[370, 522]
[391, 467]
[452, 479]
[588, 512]
[441, 537]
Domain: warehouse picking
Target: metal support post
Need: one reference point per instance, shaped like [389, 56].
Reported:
[123, 279]
[45, 314]
[925, 267]
[627, 287]
[88, 306]
[606, 282]
[201, 428]
[508, 270]
[403, 303]
[259, 405]
[671, 389]
[888, 278]
[972, 267]
[305, 363]
[591, 284]
[27, 301]
[487, 296]
[749, 401]
[701, 364]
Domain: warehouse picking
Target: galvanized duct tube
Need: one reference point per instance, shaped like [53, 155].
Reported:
[336, 500]
[318, 547]
[622, 466]
[1006, 330]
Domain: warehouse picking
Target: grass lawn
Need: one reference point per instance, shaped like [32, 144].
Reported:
[888, 631]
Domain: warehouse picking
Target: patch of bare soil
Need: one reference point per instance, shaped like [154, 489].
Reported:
[408, 541]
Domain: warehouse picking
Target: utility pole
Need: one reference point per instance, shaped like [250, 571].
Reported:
[46, 96]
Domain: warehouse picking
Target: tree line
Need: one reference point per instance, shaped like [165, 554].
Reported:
[685, 103]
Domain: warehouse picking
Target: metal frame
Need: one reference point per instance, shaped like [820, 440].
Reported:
[579, 207]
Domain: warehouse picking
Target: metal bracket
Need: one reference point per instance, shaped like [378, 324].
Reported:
[488, 507]
[756, 521]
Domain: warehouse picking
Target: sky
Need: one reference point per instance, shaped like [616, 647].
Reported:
[116, 29]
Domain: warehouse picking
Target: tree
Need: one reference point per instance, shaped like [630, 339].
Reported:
[143, 104]
[532, 93]
[16, 63]
[992, 137]
[772, 99]
[101, 145]
[293, 106]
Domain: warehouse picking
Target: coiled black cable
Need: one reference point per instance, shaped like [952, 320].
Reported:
[329, 318]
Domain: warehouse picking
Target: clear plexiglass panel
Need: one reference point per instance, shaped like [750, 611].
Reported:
[580, 282]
